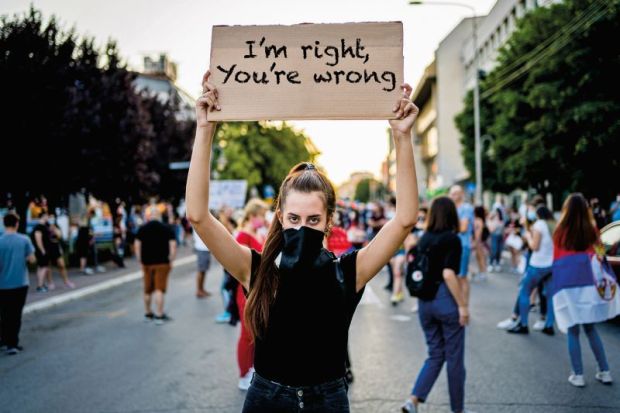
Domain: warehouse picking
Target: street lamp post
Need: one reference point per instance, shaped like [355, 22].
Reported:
[477, 145]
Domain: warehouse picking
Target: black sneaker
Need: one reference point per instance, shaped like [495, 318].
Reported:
[548, 331]
[520, 329]
[159, 320]
[42, 289]
[148, 317]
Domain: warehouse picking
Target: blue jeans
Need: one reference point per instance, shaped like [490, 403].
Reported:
[465, 253]
[533, 276]
[445, 339]
[497, 241]
[268, 396]
[574, 348]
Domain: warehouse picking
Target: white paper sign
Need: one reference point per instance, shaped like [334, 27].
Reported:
[227, 193]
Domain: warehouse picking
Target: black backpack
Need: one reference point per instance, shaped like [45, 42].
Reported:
[419, 280]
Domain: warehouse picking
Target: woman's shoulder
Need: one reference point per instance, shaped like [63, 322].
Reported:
[442, 237]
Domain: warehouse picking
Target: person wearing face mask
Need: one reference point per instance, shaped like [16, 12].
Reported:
[301, 298]
[538, 270]
[248, 235]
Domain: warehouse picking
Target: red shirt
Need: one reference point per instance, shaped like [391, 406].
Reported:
[337, 241]
[249, 240]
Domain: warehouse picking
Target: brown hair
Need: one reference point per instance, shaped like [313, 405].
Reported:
[575, 230]
[303, 177]
[442, 216]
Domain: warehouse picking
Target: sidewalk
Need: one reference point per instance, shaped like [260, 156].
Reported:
[90, 284]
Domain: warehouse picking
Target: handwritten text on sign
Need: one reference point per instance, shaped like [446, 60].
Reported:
[308, 71]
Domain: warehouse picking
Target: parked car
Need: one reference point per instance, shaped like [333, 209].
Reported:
[610, 237]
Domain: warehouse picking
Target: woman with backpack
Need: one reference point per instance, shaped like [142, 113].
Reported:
[443, 307]
[582, 297]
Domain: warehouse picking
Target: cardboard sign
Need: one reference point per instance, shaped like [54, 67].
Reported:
[227, 193]
[307, 71]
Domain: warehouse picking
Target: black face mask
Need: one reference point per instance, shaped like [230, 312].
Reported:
[301, 248]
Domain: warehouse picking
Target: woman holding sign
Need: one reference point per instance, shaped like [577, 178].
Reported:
[301, 342]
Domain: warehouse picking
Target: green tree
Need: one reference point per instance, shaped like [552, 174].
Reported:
[550, 104]
[362, 190]
[73, 119]
[260, 152]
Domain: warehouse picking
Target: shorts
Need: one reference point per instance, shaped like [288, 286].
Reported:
[203, 260]
[156, 277]
[54, 253]
[42, 260]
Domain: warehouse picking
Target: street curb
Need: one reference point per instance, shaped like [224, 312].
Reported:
[93, 289]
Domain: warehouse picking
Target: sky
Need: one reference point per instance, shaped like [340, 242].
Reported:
[182, 29]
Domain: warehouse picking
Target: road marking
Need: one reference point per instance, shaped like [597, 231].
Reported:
[370, 298]
[400, 317]
[93, 289]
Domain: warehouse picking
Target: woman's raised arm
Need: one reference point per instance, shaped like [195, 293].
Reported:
[235, 258]
[378, 252]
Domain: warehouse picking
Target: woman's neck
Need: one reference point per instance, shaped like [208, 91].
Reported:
[248, 228]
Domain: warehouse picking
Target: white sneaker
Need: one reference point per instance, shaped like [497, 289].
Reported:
[245, 381]
[539, 325]
[577, 380]
[507, 324]
[604, 377]
[408, 407]
[415, 308]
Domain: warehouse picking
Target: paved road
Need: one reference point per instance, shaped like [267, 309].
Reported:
[97, 355]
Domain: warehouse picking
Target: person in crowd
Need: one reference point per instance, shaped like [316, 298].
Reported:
[514, 243]
[301, 298]
[356, 233]
[203, 261]
[85, 243]
[41, 240]
[614, 209]
[15, 250]
[599, 213]
[375, 221]
[155, 248]
[411, 242]
[465, 212]
[248, 236]
[481, 236]
[538, 270]
[443, 317]
[496, 225]
[56, 255]
[228, 286]
[337, 241]
[579, 300]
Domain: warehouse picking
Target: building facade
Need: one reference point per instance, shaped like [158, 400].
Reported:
[441, 91]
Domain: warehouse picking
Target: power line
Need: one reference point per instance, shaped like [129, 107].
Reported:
[558, 44]
[593, 8]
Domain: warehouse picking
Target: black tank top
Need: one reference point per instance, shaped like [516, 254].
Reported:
[305, 342]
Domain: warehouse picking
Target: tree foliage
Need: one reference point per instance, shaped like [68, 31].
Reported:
[260, 152]
[555, 124]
